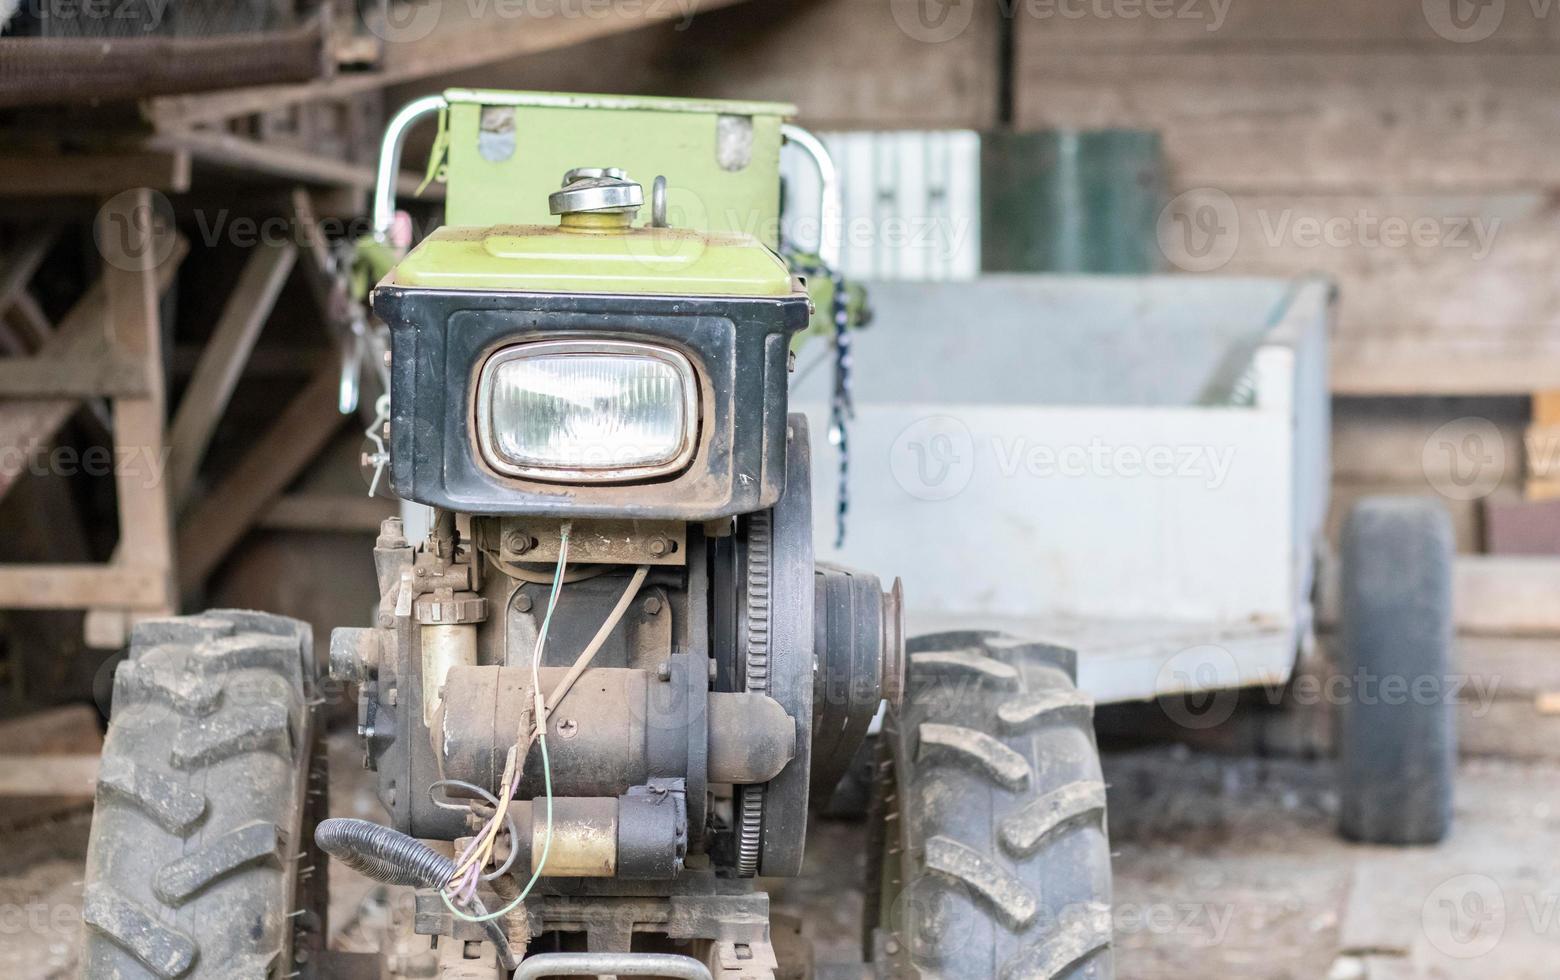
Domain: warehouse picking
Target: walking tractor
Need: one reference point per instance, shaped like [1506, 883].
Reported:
[606, 678]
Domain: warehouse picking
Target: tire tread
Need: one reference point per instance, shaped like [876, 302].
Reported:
[200, 801]
[989, 819]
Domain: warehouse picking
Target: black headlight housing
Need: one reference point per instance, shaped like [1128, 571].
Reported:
[738, 347]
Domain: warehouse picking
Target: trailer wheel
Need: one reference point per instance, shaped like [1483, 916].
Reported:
[989, 855]
[1397, 734]
[197, 865]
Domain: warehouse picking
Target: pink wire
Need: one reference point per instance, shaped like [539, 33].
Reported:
[467, 888]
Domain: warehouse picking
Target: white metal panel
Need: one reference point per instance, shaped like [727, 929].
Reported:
[1133, 465]
[1133, 660]
[1070, 512]
[912, 203]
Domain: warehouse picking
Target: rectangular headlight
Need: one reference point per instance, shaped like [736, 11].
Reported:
[588, 411]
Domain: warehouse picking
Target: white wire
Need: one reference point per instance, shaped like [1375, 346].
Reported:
[540, 708]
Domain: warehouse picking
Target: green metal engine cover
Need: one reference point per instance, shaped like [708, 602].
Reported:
[542, 259]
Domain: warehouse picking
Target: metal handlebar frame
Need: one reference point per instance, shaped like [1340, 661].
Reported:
[831, 203]
[390, 159]
[610, 964]
[830, 206]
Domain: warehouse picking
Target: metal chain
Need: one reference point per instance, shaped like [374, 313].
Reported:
[842, 409]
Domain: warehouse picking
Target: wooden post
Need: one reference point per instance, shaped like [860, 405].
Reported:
[222, 362]
[27, 424]
[130, 240]
[1542, 442]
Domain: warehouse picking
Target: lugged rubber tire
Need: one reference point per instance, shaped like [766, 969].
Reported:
[199, 826]
[990, 856]
[1397, 749]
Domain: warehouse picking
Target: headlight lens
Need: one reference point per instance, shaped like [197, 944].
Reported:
[586, 410]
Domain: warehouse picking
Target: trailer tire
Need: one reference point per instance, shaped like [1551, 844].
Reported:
[197, 864]
[990, 856]
[1397, 748]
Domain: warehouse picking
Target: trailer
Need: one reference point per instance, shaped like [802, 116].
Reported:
[1138, 468]
[1135, 467]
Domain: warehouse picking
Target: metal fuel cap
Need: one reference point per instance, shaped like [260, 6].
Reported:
[588, 190]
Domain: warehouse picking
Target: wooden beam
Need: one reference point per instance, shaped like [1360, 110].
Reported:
[54, 377]
[21, 262]
[135, 63]
[339, 513]
[265, 363]
[26, 426]
[94, 174]
[47, 754]
[176, 112]
[1510, 595]
[252, 157]
[1546, 407]
[29, 321]
[1539, 490]
[221, 518]
[145, 509]
[35, 332]
[459, 39]
[222, 362]
[1418, 368]
[1493, 595]
[48, 775]
[131, 586]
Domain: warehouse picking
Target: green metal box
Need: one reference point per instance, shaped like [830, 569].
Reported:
[506, 151]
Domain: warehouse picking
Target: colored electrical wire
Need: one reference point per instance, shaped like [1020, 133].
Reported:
[600, 639]
[478, 853]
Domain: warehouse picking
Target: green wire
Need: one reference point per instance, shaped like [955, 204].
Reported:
[552, 602]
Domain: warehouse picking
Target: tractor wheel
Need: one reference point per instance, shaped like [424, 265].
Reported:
[198, 863]
[990, 856]
[1397, 734]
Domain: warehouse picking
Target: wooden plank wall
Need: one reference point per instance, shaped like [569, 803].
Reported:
[1311, 127]
[844, 63]
[1412, 157]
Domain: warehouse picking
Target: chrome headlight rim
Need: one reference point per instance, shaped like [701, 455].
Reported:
[487, 442]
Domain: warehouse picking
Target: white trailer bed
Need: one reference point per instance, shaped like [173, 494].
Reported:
[1135, 467]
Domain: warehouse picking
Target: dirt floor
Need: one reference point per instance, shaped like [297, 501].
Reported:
[1225, 867]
